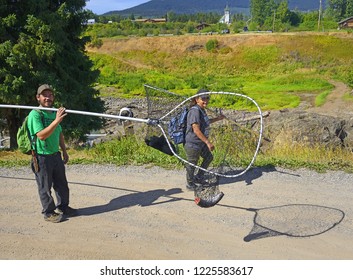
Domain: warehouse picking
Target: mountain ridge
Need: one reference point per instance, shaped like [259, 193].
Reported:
[158, 8]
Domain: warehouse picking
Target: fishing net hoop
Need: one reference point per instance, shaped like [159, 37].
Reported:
[160, 121]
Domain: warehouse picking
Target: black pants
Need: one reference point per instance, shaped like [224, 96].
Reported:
[193, 155]
[51, 173]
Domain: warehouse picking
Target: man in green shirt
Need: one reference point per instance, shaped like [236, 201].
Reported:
[51, 164]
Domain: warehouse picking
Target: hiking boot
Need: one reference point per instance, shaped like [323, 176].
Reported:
[53, 217]
[201, 181]
[67, 211]
[190, 186]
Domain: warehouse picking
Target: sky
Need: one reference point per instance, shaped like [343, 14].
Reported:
[103, 6]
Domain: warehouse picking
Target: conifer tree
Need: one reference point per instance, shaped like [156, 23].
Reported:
[40, 42]
[349, 9]
[339, 9]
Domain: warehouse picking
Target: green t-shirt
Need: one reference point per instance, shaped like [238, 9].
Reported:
[35, 124]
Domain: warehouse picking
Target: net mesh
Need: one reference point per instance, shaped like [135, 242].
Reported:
[234, 137]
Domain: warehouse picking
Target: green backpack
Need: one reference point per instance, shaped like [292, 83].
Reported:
[26, 143]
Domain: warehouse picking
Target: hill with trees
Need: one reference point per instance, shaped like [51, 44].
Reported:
[157, 8]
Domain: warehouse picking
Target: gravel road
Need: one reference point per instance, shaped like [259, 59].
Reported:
[131, 213]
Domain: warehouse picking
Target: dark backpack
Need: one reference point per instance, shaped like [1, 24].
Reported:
[177, 126]
[26, 143]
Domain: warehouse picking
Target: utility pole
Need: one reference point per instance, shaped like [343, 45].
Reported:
[319, 21]
[274, 20]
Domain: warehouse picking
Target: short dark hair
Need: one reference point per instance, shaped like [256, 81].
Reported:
[202, 90]
[204, 96]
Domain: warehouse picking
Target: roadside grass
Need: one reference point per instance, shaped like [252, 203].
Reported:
[318, 158]
[133, 151]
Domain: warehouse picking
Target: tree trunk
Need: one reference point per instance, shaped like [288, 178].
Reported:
[13, 123]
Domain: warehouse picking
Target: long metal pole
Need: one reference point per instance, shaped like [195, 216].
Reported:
[158, 123]
[75, 112]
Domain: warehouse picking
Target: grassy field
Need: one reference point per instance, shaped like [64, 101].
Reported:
[274, 69]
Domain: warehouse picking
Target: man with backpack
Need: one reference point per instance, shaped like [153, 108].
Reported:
[48, 163]
[197, 143]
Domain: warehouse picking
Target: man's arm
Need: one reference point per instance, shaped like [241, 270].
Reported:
[201, 136]
[218, 118]
[46, 132]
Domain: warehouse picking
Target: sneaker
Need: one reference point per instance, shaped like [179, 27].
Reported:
[53, 217]
[67, 211]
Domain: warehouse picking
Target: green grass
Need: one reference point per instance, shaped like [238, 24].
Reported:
[274, 73]
[321, 98]
[318, 158]
[133, 151]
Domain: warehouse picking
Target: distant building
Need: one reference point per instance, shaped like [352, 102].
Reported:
[91, 21]
[226, 18]
[346, 23]
[202, 26]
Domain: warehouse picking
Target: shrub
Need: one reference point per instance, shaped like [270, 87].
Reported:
[212, 45]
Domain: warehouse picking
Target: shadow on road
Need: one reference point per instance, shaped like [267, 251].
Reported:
[292, 220]
[251, 175]
[142, 199]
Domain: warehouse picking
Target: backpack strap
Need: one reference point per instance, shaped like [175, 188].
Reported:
[196, 107]
[34, 139]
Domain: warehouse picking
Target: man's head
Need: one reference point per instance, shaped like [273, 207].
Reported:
[45, 95]
[202, 100]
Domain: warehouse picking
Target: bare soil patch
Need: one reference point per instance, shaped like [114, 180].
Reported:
[335, 104]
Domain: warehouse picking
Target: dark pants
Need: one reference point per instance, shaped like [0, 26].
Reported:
[193, 155]
[51, 173]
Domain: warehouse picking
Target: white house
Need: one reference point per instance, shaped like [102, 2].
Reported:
[91, 21]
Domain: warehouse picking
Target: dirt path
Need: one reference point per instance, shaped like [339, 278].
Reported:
[136, 213]
[335, 105]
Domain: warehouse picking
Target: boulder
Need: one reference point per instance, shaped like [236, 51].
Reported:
[309, 128]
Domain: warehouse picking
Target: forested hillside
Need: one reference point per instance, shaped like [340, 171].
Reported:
[161, 7]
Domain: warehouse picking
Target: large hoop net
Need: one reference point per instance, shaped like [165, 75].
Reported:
[237, 137]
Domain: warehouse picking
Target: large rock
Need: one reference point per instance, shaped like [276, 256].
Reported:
[309, 128]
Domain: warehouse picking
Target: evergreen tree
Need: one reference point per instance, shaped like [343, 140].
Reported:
[40, 43]
[262, 10]
[339, 9]
[283, 13]
[349, 8]
[257, 8]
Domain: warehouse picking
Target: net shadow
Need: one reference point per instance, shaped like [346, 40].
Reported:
[293, 220]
